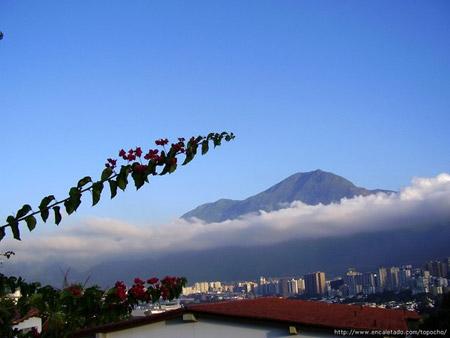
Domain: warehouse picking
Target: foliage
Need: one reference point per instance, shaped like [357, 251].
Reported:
[439, 317]
[74, 307]
[138, 165]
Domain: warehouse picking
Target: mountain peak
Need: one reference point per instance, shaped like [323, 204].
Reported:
[311, 188]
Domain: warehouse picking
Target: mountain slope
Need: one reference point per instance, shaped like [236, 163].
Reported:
[311, 188]
[334, 255]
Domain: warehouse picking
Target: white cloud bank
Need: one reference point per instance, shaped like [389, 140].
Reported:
[425, 202]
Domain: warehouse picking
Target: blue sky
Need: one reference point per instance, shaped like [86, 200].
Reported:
[357, 88]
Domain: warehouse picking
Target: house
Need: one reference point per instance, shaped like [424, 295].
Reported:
[260, 317]
[28, 322]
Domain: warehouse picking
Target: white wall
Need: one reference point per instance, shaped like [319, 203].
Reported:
[30, 323]
[209, 328]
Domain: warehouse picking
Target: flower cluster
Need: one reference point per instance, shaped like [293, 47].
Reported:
[138, 290]
[151, 155]
[121, 290]
[111, 163]
[75, 290]
[161, 142]
[131, 155]
[178, 147]
[167, 288]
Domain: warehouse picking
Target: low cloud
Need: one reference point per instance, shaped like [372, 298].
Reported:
[424, 203]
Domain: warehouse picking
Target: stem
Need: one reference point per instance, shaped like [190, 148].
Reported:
[58, 202]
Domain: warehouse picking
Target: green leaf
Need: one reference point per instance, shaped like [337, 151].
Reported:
[74, 191]
[151, 169]
[97, 188]
[189, 156]
[122, 178]
[217, 140]
[31, 222]
[84, 181]
[23, 211]
[113, 188]
[172, 168]
[106, 173]
[15, 230]
[163, 157]
[165, 169]
[43, 206]
[74, 200]
[139, 179]
[58, 217]
[205, 147]
[44, 214]
[70, 206]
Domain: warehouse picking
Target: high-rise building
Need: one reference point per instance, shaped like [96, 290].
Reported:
[293, 286]
[392, 278]
[315, 284]
[353, 280]
[405, 277]
[300, 285]
[283, 287]
[381, 279]
[369, 283]
[438, 268]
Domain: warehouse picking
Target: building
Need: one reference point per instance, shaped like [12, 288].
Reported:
[381, 280]
[392, 278]
[28, 322]
[258, 318]
[283, 287]
[369, 285]
[353, 280]
[315, 284]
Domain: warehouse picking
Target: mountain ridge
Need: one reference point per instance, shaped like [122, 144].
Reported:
[311, 188]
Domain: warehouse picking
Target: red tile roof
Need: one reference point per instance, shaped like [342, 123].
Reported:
[310, 313]
[33, 312]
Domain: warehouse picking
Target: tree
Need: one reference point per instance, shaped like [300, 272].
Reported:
[77, 306]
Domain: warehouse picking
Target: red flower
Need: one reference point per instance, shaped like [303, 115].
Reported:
[153, 280]
[178, 147]
[152, 154]
[140, 168]
[138, 292]
[75, 290]
[138, 151]
[111, 163]
[161, 142]
[137, 280]
[131, 157]
[122, 153]
[121, 290]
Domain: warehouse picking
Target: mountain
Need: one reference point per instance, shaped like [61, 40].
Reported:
[311, 188]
